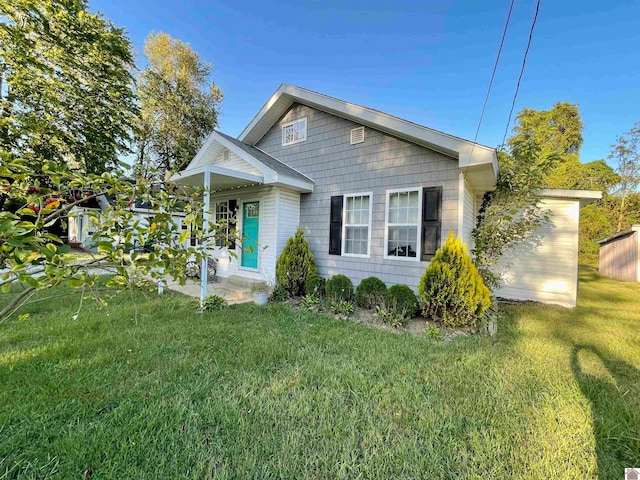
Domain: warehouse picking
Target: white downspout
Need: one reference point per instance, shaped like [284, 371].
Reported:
[204, 267]
[461, 180]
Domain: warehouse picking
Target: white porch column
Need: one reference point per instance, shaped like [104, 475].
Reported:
[204, 267]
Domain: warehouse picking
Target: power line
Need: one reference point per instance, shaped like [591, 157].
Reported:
[493, 74]
[524, 62]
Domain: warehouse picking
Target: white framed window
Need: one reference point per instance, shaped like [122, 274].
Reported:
[357, 224]
[294, 132]
[402, 224]
[223, 216]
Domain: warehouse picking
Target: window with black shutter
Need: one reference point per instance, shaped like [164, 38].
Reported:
[431, 220]
[335, 226]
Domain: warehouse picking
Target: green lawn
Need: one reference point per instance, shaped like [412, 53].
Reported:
[275, 393]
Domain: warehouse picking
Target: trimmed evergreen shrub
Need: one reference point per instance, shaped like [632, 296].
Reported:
[212, 303]
[295, 265]
[402, 299]
[370, 292]
[279, 294]
[451, 288]
[339, 287]
[315, 286]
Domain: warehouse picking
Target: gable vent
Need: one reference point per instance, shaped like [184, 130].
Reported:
[357, 135]
[225, 155]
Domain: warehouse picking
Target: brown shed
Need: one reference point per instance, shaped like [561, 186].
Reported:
[620, 255]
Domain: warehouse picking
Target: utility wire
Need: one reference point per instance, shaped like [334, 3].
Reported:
[524, 62]
[493, 74]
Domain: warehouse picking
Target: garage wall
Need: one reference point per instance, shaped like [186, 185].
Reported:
[544, 268]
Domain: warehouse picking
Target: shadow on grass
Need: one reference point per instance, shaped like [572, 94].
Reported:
[615, 404]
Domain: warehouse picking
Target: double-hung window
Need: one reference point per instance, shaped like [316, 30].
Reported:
[402, 235]
[357, 224]
[412, 224]
[294, 132]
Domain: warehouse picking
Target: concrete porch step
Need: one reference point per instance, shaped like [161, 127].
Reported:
[237, 280]
[231, 292]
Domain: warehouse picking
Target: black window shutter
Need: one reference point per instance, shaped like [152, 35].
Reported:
[335, 226]
[233, 204]
[431, 220]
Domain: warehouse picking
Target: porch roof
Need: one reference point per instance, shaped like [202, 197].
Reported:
[263, 168]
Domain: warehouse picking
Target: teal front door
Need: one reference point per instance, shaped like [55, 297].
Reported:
[250, 232]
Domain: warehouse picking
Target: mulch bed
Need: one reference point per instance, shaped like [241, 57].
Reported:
[416, 326]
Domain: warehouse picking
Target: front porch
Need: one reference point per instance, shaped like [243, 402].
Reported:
[234, 289]
[260, 197]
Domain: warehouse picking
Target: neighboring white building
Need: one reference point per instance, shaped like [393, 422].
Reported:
[80, 227]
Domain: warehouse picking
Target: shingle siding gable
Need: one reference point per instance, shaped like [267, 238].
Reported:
[381, 162]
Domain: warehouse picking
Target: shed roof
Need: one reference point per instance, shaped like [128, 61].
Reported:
[621, 233]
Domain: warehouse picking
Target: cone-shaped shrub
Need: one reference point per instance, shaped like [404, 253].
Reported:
[451, 288]
[295, 265]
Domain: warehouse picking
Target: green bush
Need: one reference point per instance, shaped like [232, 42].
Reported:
[213, 303]
[295, 265]
[339, 287]
[315, 286]
[370, 292]
[434, 333]
[451, 288]
[342, 307]
[390, 316]
[311, 303]
[279, 294]
[402, 299]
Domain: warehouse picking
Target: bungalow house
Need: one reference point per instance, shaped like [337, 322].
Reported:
[376, 195]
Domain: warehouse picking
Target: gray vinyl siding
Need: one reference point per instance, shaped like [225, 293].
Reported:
[382, 162]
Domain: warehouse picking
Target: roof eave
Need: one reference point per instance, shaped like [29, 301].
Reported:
[466, 152]
[584, 196]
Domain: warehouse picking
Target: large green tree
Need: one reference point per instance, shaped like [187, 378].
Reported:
[66, 92]
[557, 132]
[541, 141]
[179, 106]
[625, 153]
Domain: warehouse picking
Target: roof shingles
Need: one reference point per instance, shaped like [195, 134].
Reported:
[270, 162]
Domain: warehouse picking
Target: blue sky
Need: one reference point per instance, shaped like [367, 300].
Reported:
[425, 61]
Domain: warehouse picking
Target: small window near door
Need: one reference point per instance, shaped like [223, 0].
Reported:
[252, 210]
[225, 217]
[222, 218]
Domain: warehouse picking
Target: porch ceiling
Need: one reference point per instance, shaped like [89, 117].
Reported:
[221, 178]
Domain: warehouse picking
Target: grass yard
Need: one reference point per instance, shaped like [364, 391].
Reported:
[276, 393]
